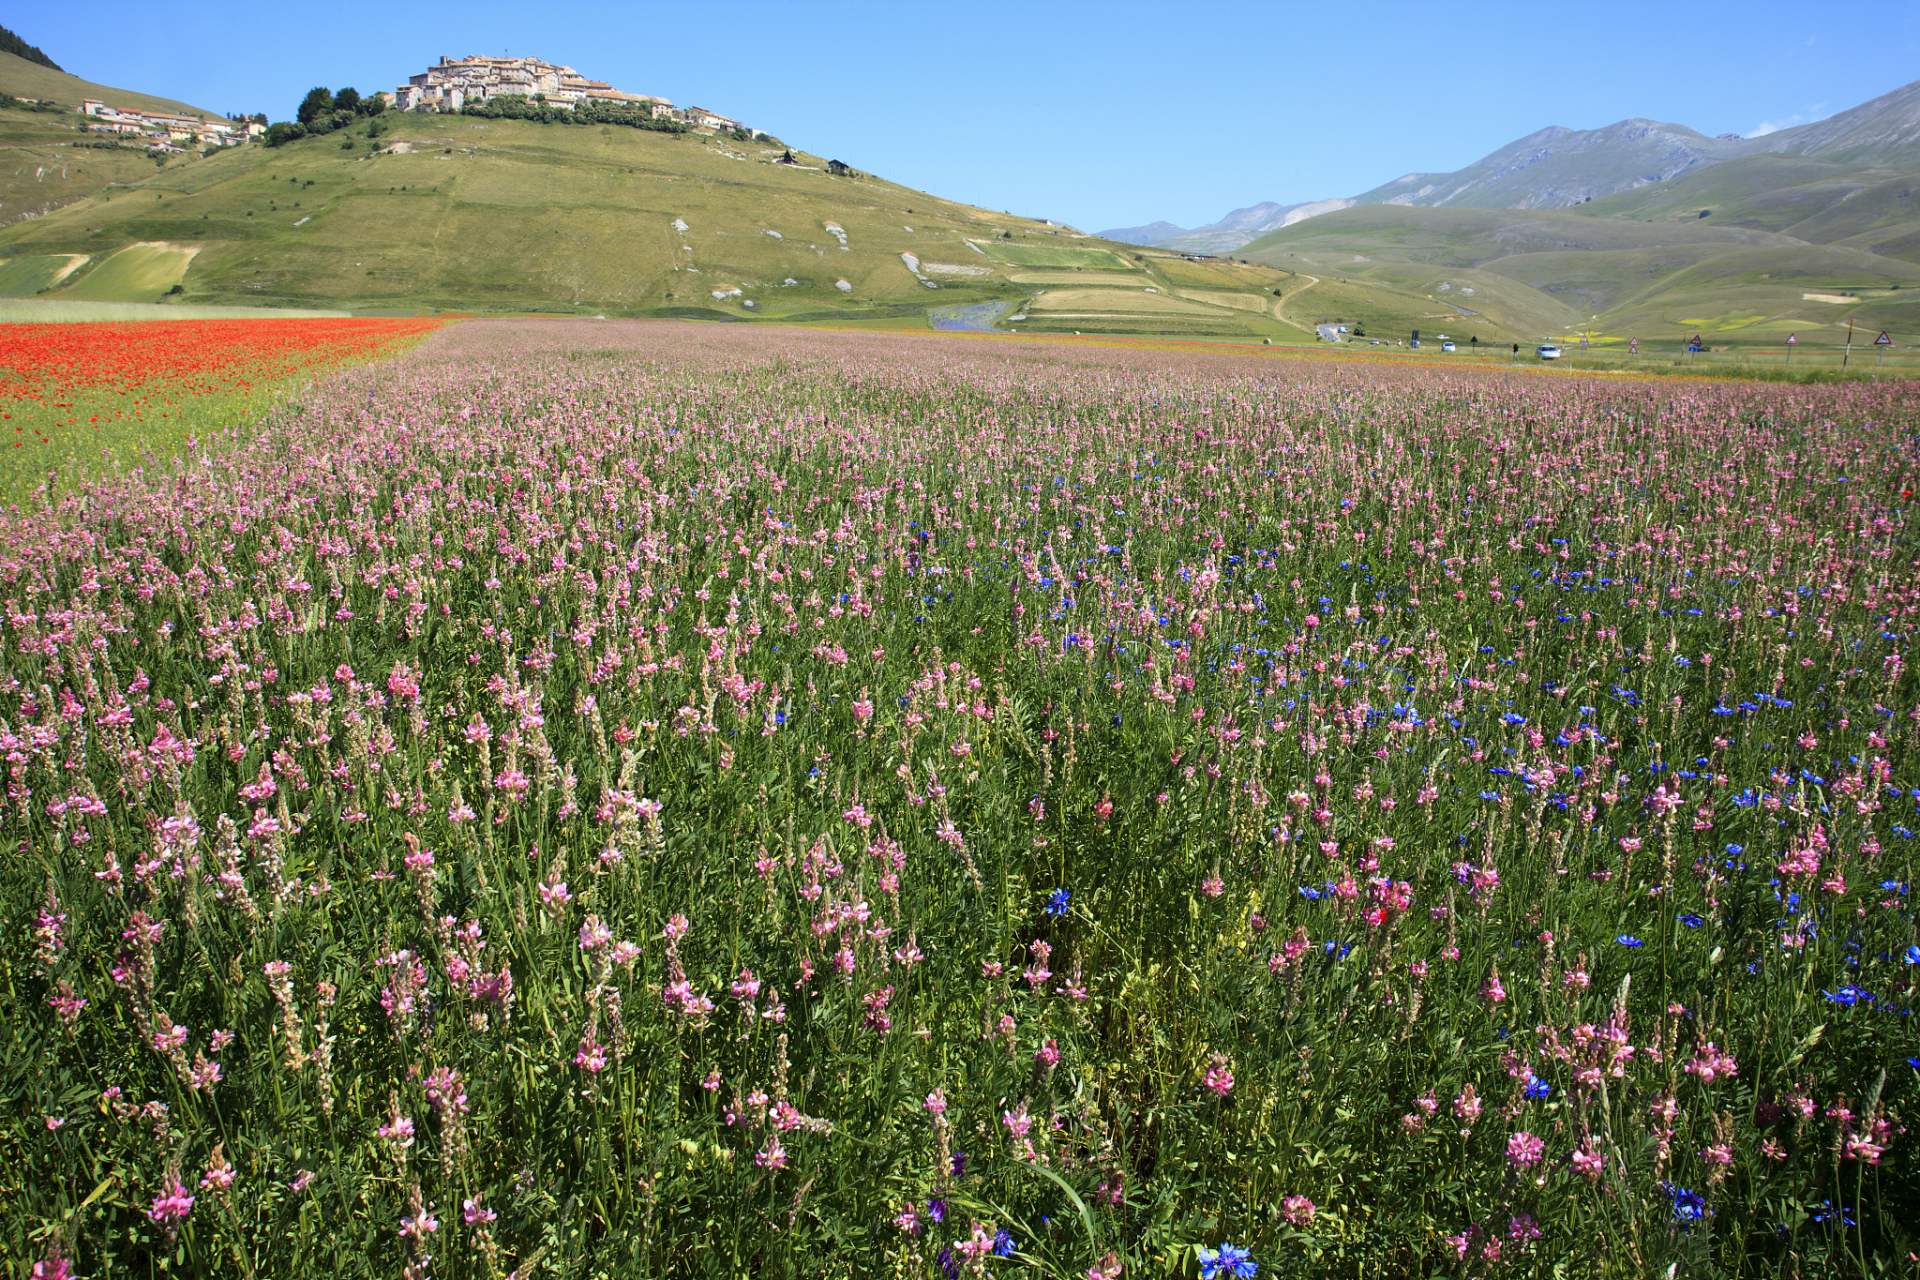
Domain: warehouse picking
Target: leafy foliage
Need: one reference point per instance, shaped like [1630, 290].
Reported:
[669, 799]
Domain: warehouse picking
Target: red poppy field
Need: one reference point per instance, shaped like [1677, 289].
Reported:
[72, 395]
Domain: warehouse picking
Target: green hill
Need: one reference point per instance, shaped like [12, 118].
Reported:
[20, 78]
[1551, 275]
[412, 212]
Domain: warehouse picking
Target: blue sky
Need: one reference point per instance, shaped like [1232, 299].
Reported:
[1101, 115]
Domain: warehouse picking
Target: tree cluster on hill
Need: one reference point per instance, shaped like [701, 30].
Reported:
[13, 44]
[515, 107]
[324, 111]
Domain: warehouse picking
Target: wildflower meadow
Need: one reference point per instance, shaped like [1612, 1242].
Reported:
[657, 799]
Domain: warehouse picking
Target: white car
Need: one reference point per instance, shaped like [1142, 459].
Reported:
[1547, 351]
[1446, 346]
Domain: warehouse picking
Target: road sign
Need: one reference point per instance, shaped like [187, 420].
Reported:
[1633, 347]
[1792, 340]
[1883, 340]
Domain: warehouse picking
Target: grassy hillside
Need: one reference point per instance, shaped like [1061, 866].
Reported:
[1553, 275]
[46, 164]
[448, 212]
[22, 79]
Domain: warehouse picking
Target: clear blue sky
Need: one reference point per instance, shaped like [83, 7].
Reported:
[1102, 115]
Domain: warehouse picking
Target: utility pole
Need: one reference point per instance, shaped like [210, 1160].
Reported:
[1848, 353]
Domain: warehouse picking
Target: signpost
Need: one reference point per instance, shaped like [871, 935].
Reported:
[1793, 340]
[1882, 342]
[1848, 353]
[1633, 347]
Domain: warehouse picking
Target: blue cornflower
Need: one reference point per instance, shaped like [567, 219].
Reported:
[1688, 1206]
[1057, 902]
[1002, 1244]
[1628, 940]
[1913, 955]
[1536, 1087]
[1226, 1260]
[1691, 920]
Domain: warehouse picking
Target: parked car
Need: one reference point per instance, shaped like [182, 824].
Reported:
[1446, 346]
[1547, 351]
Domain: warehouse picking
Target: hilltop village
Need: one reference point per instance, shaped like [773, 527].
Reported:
[452, 83]
[447, 86]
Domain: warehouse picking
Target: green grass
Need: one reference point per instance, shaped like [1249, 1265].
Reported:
[493, 215]
[1539, 276]
[137, 273]
[1039, 784]
[68, 311]
[22, 277]
[22, 79]
[1049, 255]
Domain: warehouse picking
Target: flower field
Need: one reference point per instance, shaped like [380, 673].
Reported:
[69, 391]
[661, 799]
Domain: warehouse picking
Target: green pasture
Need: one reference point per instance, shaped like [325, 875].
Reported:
[417, 213]
[1027, 254]
[66, 310]
[25, 276]
[138, 273]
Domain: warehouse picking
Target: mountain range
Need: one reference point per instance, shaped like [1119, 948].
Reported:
[1557, 168]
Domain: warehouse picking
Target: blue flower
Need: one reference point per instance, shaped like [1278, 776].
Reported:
[1913, 955]
[1691, 920]
[1537, 1088]
[1002, 1244]
[1688, 1206]
[959, 1164]
[1226, 1260]
[1628, 940]
[1057, 902]
[937, 1209]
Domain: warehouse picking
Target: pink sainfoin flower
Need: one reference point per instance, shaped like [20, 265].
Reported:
[1710, 1064]
[1588, 1163]
[1524, 1149]
[1219, 1075]
[171, 1207]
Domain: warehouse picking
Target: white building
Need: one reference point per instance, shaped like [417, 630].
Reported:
[451, 83]
[162, 126]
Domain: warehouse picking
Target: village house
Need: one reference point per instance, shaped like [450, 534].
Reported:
[165, 127]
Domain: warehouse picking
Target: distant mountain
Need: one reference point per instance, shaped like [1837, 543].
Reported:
[1149, 234]
[1244, 225]
[1558, 168]
[1884, 131]
[1555, 168]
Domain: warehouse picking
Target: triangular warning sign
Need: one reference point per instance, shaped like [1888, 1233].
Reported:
[1793, 339]
[1883, 340]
